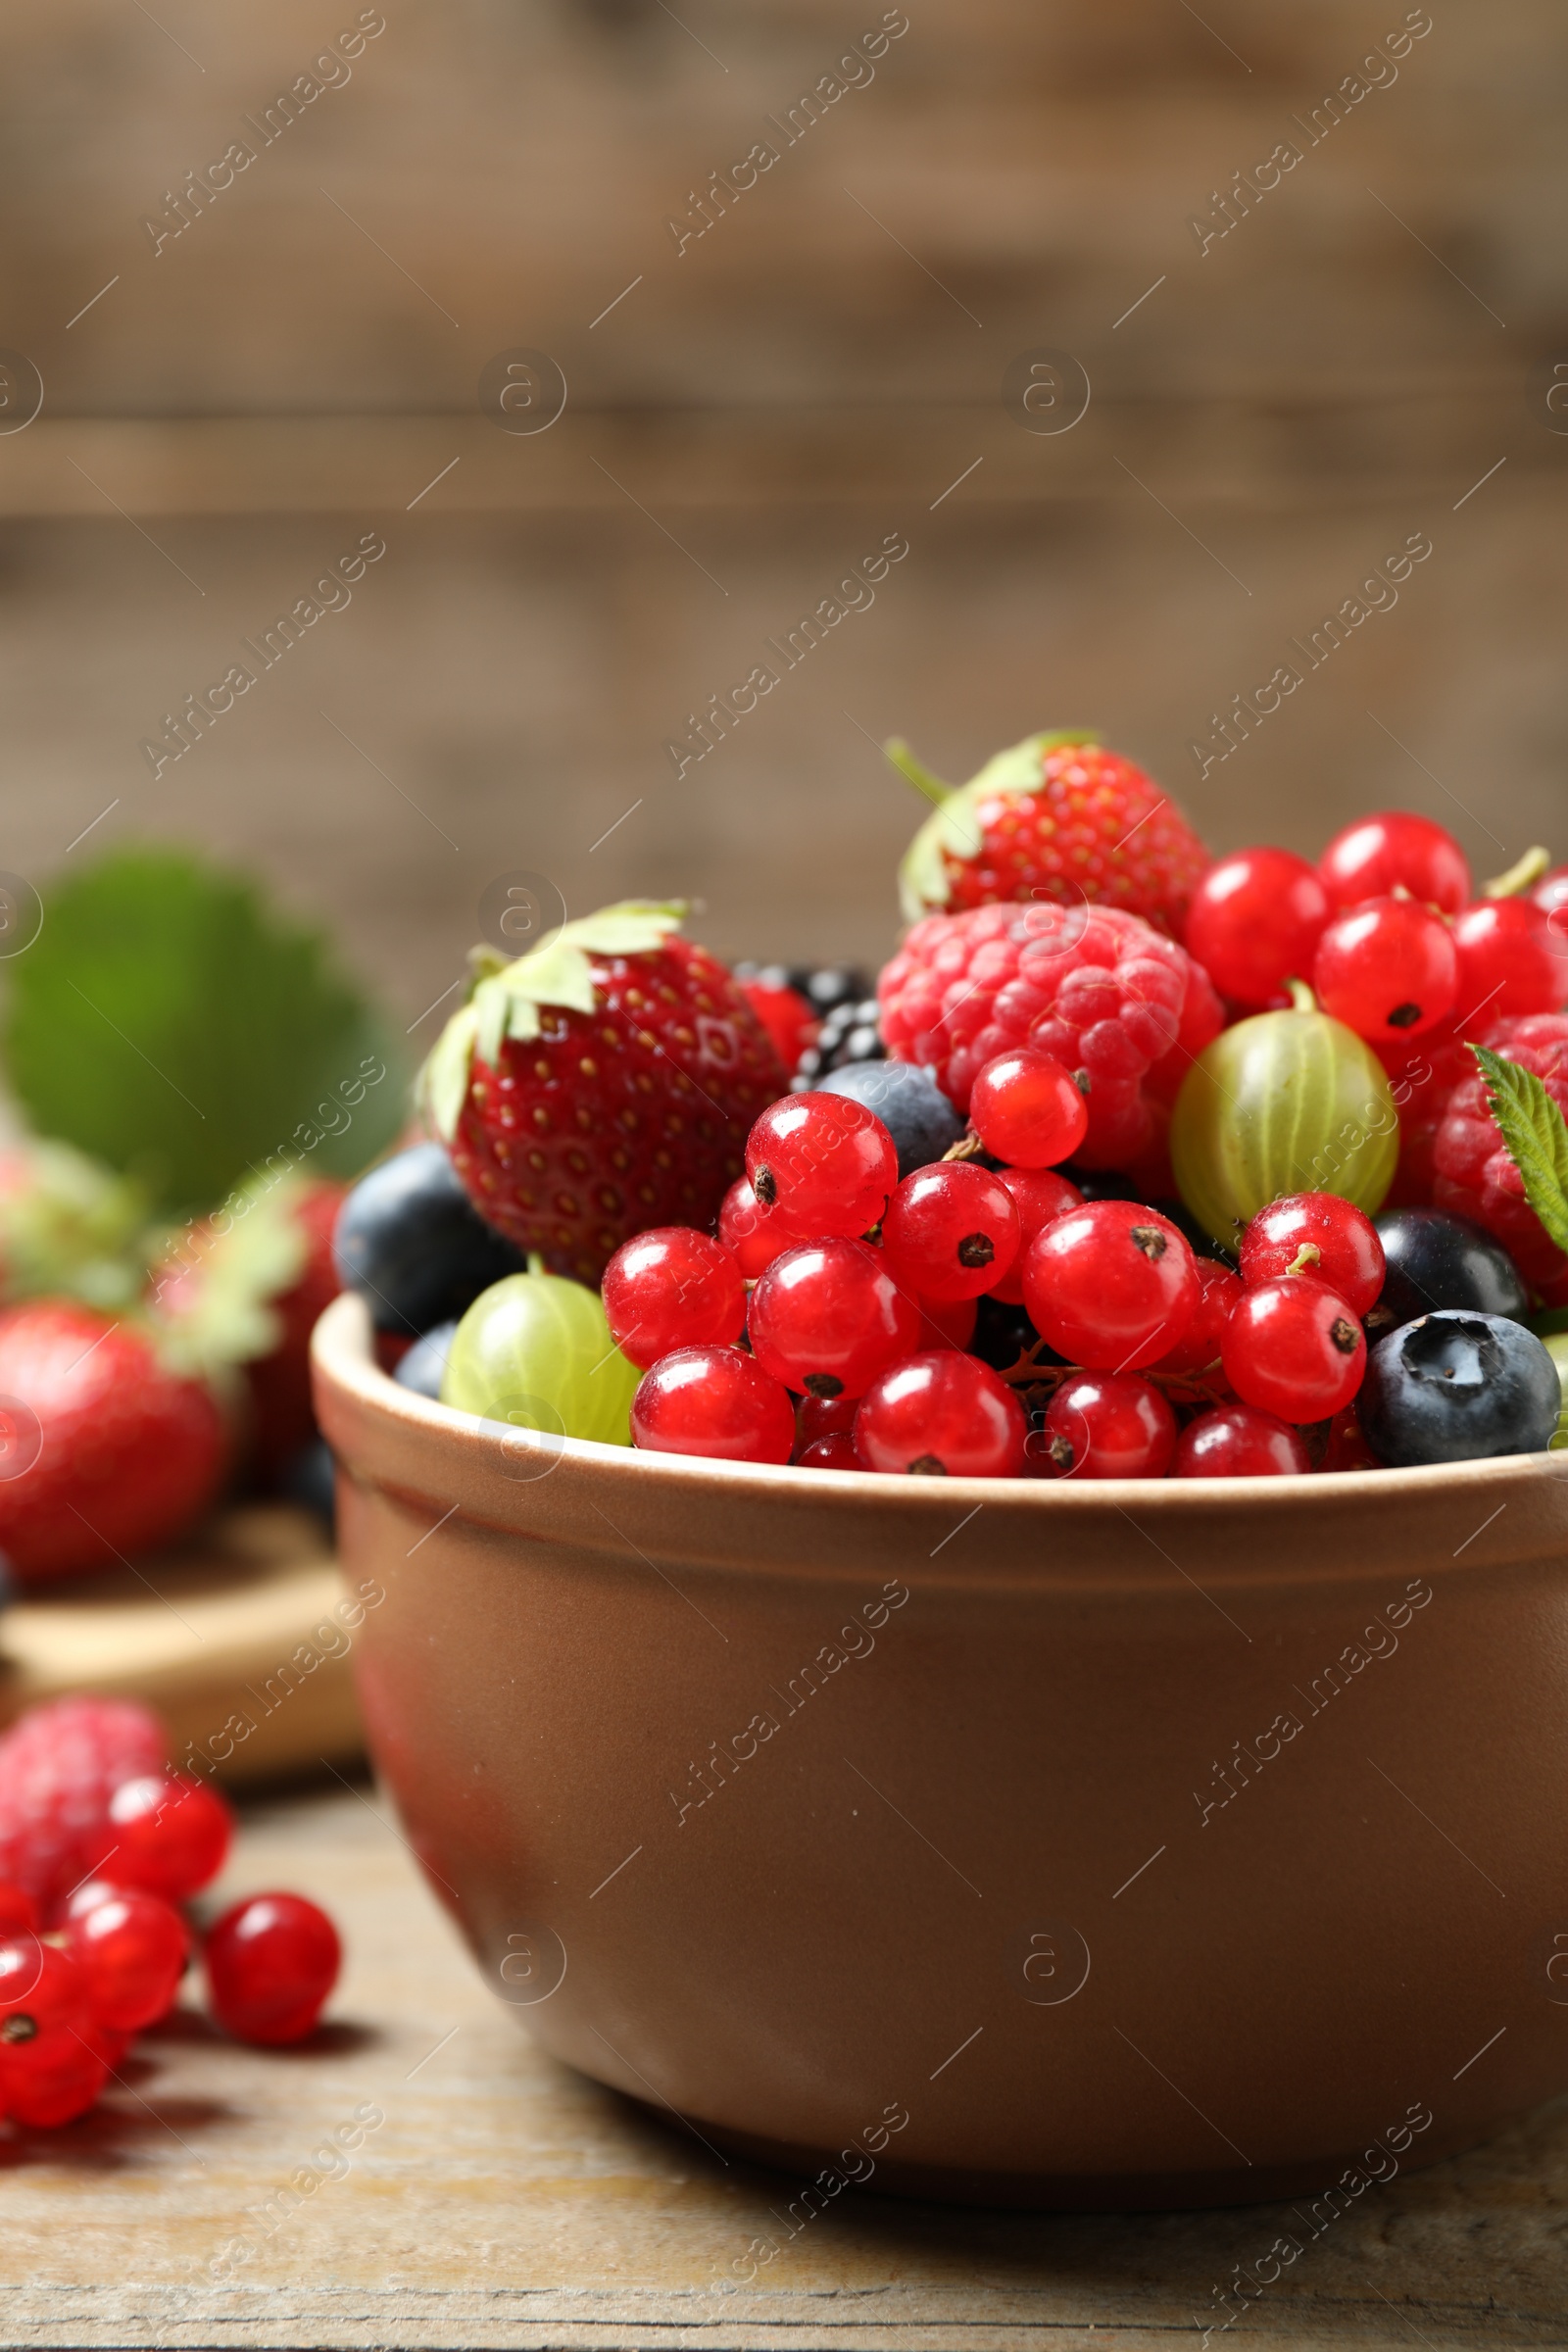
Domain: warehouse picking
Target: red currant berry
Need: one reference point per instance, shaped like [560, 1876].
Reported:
[1037, 1195]
[823, 1163]
[749, 1232]
[132, 1949]
[942, 1415]
[1255, 920]
[945, 1323]
[1236, 1440]
[1292, 1348]
[1550, 894]
[1110, 1285]
[835, 1451]
[713, 1401]
[827, 1317]
[18, 1913]
[672, 1287]
[823, 1417]
[1196, 1351]
[1027, 1108]
[59, 2089]
[169, 1835]
[270, 1963]
[1395, 851]
[1316, 1233]
[951, 1231]
[1347, 1448]
[1510, 961]
[1108, 1425]
[1386, 969]
[43, 2006]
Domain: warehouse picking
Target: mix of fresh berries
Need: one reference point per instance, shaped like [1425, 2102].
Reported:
[101, 1847]
[952, 1244]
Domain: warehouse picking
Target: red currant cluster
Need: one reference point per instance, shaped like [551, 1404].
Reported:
[1385, 929]
[852, 1350]
[100, 1847]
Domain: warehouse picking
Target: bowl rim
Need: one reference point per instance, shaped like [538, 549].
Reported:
[343, 1347]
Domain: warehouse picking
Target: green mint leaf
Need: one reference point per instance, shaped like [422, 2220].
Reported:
[170, 1022]
[1535, 1135]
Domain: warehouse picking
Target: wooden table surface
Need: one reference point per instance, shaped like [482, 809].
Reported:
[421, 2175]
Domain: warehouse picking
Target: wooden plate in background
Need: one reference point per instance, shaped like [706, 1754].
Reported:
[248, 1623]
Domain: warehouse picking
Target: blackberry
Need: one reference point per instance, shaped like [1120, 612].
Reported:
[828, 986]
[849, 1033]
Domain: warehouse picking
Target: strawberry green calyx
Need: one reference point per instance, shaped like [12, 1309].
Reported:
[954, 830]
[507, 998]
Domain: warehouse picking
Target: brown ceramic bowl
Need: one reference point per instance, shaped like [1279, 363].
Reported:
[1127, 1844]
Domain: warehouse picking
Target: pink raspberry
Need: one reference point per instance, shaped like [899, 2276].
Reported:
[1473, 1172]
[60, 1764]
[1123, 1006]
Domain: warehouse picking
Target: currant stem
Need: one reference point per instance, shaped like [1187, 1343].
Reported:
[911, 769]
[1519, 877]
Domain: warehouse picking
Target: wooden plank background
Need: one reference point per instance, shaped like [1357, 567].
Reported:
[1373, 338]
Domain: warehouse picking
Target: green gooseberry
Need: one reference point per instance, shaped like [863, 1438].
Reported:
[535, 1351]
[1284, 1103]
[1555, 1343]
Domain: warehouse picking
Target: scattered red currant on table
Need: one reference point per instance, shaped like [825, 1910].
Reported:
[270, 1962]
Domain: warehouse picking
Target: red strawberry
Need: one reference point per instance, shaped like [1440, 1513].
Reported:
[280, 1382]
[107, 1451]
[1057, 818]
[1120, 1003]
[1473, 1170]
[599, 1085]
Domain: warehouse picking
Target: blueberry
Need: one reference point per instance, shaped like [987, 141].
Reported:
[412, 1243]
[909, 1104]
[1456, 1386]
[422, 1368]
[308, 1480]
[1436, 1259]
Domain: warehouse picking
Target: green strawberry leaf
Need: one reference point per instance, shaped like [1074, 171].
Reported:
[171, 1023]
[1535, 1137]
